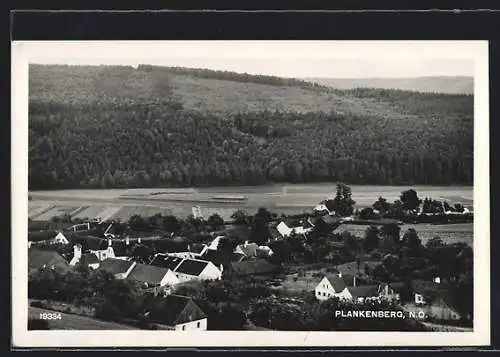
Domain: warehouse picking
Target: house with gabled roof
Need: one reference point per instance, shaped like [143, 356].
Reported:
[152, 276]
[118, 267]
[188, 269]
[174, 312]
[41, 259]
[332, 285]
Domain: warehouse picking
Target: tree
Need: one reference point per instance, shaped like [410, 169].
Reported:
[215, 221]
[343, 204]
[382, 206]
[239, 217]
[410, 199]
[137, 223]
[435, 242]
[371, 240]
[367, 213]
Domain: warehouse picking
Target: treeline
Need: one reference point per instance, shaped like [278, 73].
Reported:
[106, 145]
[231, 76]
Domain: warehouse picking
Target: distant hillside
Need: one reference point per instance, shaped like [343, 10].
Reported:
[116, 126]
[449, 85]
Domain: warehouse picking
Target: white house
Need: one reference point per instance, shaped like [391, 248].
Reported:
[286, 231]
[60, 238]
[332, 286]
[190, 269]
[177, 312]
[88, 259]
[118, 267]
[151, 276]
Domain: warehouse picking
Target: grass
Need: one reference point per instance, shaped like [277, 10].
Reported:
[76, 322]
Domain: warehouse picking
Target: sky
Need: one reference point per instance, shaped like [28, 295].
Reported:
[326, 59]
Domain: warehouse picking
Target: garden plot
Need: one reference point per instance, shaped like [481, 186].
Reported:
[90, 212]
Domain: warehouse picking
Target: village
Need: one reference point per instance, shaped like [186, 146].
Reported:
[259, 271]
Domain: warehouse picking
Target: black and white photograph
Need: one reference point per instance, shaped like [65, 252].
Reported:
[239, 193]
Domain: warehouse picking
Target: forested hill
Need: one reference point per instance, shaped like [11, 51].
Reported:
[112, 126]
[434, 84]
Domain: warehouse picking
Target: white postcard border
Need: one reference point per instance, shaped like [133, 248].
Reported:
[27, 51]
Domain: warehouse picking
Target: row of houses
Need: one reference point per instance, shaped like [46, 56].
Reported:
[434, 298]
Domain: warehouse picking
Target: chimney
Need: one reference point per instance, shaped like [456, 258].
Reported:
[354, 281]
[221, 268]
[110, 242]
[139, 240]
[127, 240]
[340, 274]
[77, 251]
[246, 243]
[437, 280]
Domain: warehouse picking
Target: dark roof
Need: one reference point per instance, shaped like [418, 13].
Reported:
[88, 258]
[90, 242]
[39, 258]
[219, 257]
[166, 261]
[256, 266]
[337, 282]
[121, 249]
[192, 267]
[147, 274]
[173, 310]
[115, 266]
[452, 300]
[364, 290]
[141, 250]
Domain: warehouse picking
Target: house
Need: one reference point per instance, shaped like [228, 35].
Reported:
[38, 259]
[438, 300]
[286, 231]
[59, 238]
[390, 291]
[332, 285]
[257, 266]
[249, 250]
[188, 269]
[102, 248]
[176, 312]
[364, 292]
[151, 276]
[118, 267]
[88, 259]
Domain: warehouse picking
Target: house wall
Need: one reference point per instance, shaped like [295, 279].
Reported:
[324, 291]
[169, 279]
[211, 272]
[199, 325]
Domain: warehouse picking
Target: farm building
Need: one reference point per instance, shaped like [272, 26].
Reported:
[151, 276]
[188, 269]
[118, 267]
[175, 312]
[39, 259]
[221, 257]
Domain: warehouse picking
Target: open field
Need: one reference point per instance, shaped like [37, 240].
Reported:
[287, 199]
[76, 322]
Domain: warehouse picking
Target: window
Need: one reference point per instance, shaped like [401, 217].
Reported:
[198, 324]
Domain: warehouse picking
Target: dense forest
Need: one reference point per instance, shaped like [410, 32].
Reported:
[126, 127]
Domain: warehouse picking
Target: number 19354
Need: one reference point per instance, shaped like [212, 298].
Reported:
[50, 316]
